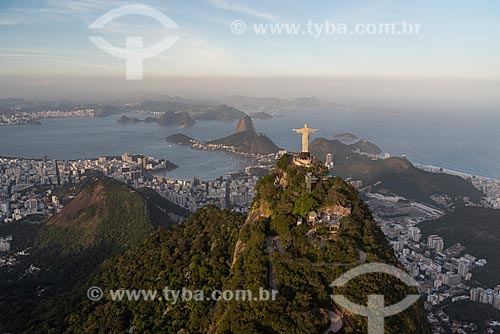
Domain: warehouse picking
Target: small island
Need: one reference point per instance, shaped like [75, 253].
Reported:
[128, 120]
[346, 136]
[180, 139]
[260, 115]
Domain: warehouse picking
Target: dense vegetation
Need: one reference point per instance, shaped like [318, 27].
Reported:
[103, 220]
[306, 267]
[195, 254]
[468, 311]
[24, 232]
[478, 229]
[160, 211]
[180, 139]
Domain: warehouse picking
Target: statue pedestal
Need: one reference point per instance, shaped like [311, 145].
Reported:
[305, 155]
[302, 159]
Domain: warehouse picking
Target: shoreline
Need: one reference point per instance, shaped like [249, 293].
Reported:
[453, 172]
[248, 156]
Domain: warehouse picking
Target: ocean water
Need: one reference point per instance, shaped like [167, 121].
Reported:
[465, 142]
[75, 138]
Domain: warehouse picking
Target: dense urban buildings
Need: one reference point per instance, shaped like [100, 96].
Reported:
[443, 273]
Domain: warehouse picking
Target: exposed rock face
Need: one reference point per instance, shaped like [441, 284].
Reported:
[249, 142]
[337, 210]
[245, 124]
[246, 140]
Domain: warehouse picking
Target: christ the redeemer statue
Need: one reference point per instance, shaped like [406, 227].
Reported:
[305, 131]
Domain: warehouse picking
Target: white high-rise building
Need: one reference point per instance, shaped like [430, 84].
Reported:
[397, 245]
[329, 160]
[475, 294]
[451, 279]
[4, 245]
[487, 297]
[4, 207]
[463, 268]
[435, 242]
[414, 233]
[496, 301]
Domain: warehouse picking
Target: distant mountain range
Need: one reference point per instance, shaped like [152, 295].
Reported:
[222, 109]
[269, 103]
[184, 117]
[221, 112]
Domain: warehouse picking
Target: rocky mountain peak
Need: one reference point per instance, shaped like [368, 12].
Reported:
[245, 124]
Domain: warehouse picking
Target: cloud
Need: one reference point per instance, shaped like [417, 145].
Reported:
[7, 22]
[74, 6]
[237, 8]
[192, 49]
[36, 54]
[56, 10]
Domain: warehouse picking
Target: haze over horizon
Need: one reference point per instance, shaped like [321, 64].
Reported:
[393, 94]
[45, 51]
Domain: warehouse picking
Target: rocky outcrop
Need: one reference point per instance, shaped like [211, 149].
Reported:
[246, 140]
[245, 124]
[337, 210]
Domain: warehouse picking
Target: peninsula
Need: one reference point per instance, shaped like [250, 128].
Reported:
[244, 141]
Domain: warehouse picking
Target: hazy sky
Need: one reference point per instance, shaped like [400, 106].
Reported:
[45, 43]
